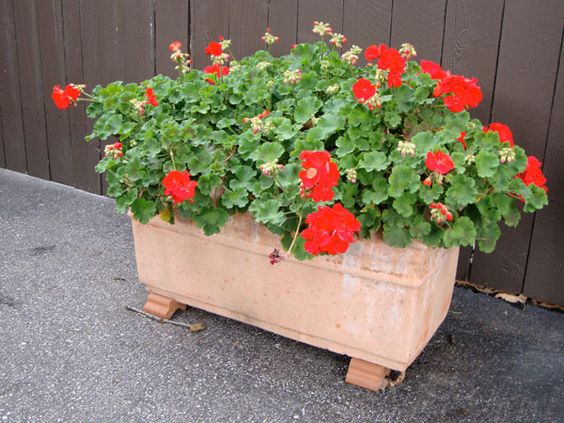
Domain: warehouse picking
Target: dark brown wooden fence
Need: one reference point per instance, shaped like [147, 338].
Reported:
[513, 46]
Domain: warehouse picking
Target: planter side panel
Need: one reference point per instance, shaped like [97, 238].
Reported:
[341, 304]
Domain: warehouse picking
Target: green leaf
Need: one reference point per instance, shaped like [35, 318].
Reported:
[462, 191]
[374, 160]
[237, 198]
[404, 205]
[488, 235]
[396, 237]
[461, 233]
[344, 146]
[486, 164]
[419, 227]
[424, 142]
[267, 211]
[268, 152]
[211, 220]
[245, 178]
[306, 108]
[143, 210]
[403, 179]
[285, 130]
[536, 201]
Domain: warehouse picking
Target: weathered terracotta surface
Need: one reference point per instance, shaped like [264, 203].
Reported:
[367, 375]
[374, 303]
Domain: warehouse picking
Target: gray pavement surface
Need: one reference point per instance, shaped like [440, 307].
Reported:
[71, 352]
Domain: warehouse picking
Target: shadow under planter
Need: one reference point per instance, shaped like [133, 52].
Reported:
[377, 304]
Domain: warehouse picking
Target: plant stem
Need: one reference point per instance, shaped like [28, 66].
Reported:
[296, 234]
[172, 158]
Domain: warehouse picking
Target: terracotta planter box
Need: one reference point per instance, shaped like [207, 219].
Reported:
[376, 304]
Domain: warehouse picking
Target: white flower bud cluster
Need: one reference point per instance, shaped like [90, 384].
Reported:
[270, 168]
[351, 175]
[332, 89]
[406, 148]
[221, 59]
[321, 28]
[469, 159]
[407, 51]
[506, 155]
[338, 40]
[292, 77]
[269, 39]
[352, 55]
[263, 65]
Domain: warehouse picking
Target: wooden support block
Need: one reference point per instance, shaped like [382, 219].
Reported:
[162, 306]
[367, 375]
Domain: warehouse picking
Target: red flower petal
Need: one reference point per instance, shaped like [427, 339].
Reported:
[505, 134]
[175, 46]
[214, 49]
[439, 162]
[60, 98]
[363, 89]
[433, 69]
[179, 186]
[319, 175]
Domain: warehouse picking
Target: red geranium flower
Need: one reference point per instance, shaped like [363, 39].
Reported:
[179, 186]
[439, 162]
[151, 98]
[214, 49]
[64, 98]
[175, 46]
[461, 92]
[363, 89]
[319, 175]
[433, 69]
[388, 59]
[533, 173]
[461, 140]
[330, 230]
[505, 134]
[216, 69]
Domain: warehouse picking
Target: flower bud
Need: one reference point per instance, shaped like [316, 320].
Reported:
[351, 175]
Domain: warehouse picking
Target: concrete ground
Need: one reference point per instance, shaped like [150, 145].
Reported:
[71, 352]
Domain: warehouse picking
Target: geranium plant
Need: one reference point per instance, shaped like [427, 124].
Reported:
[319, 150]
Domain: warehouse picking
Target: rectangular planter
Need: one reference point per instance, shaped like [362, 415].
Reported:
[377, 304]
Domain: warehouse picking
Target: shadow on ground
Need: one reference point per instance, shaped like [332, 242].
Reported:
[71, 352]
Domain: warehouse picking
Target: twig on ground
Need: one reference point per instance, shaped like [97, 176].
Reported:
[193, 327]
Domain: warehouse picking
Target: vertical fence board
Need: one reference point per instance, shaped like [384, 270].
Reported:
[208, 20]
[2, 150]
[248, 20]
[283, 22]
[470, 47]
[12, 120]
[172, 23]
[53, 72]
[420, 22]
[31, 88]
[84, 156]
[310, 10]
[528, 57]
[367, 22]
[103, 47]
[544, 278]
[139, 39]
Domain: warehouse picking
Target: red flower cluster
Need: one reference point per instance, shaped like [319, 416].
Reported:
[363, 90]
[64, 98]
[179, 186]
[214, 49]
[439, 162]
[151, 98]
[388, 59]
[216, 70]
[319, 175]
[433, 69]
[505, 134]
[114, 150]
[330, 230]
[175, 46]
[461, 93]
[533, 173]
